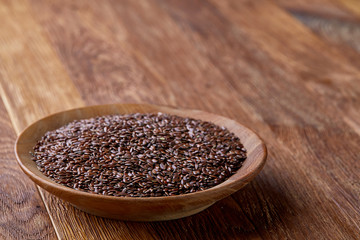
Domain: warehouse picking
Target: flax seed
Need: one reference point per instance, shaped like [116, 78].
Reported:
[139, 155]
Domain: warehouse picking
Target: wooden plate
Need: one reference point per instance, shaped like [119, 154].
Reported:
[140, 208]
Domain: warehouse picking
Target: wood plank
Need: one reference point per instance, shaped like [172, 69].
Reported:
[33, 83]
[193, 21]
[212, 59]
[75, 219]
[57, 31]
[337, 90]
[331, 20]
[32, 75]
[36, 86]
[351, 5]
[23, 214]
[323, 8]
[266, 205]
[337, 23]
[343, 33]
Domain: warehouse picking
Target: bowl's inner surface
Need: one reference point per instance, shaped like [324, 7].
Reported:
[256, 151]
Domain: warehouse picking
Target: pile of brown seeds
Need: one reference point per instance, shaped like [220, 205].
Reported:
[139, 155]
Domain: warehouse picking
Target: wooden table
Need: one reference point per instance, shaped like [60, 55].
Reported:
[290, 70]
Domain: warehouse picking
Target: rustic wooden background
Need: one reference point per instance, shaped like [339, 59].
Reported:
[287, 69]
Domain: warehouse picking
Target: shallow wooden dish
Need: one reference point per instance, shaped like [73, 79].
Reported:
[135, 208]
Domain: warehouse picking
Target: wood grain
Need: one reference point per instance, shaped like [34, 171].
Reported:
[335, 30]
[153, 230]
[252, 61]
[29, 62]
[351, 5]
[334, 90]
[141, 44]
[331, 20]
[22, 212]
[333, 8]
[53, 28]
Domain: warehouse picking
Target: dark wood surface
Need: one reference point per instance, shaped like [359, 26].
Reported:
[287, 69]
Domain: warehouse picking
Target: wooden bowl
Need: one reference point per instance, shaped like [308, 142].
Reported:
[140, 208]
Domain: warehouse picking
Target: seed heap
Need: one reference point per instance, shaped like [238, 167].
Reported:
[139, 155]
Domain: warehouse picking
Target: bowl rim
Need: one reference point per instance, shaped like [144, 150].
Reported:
[259, 161]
